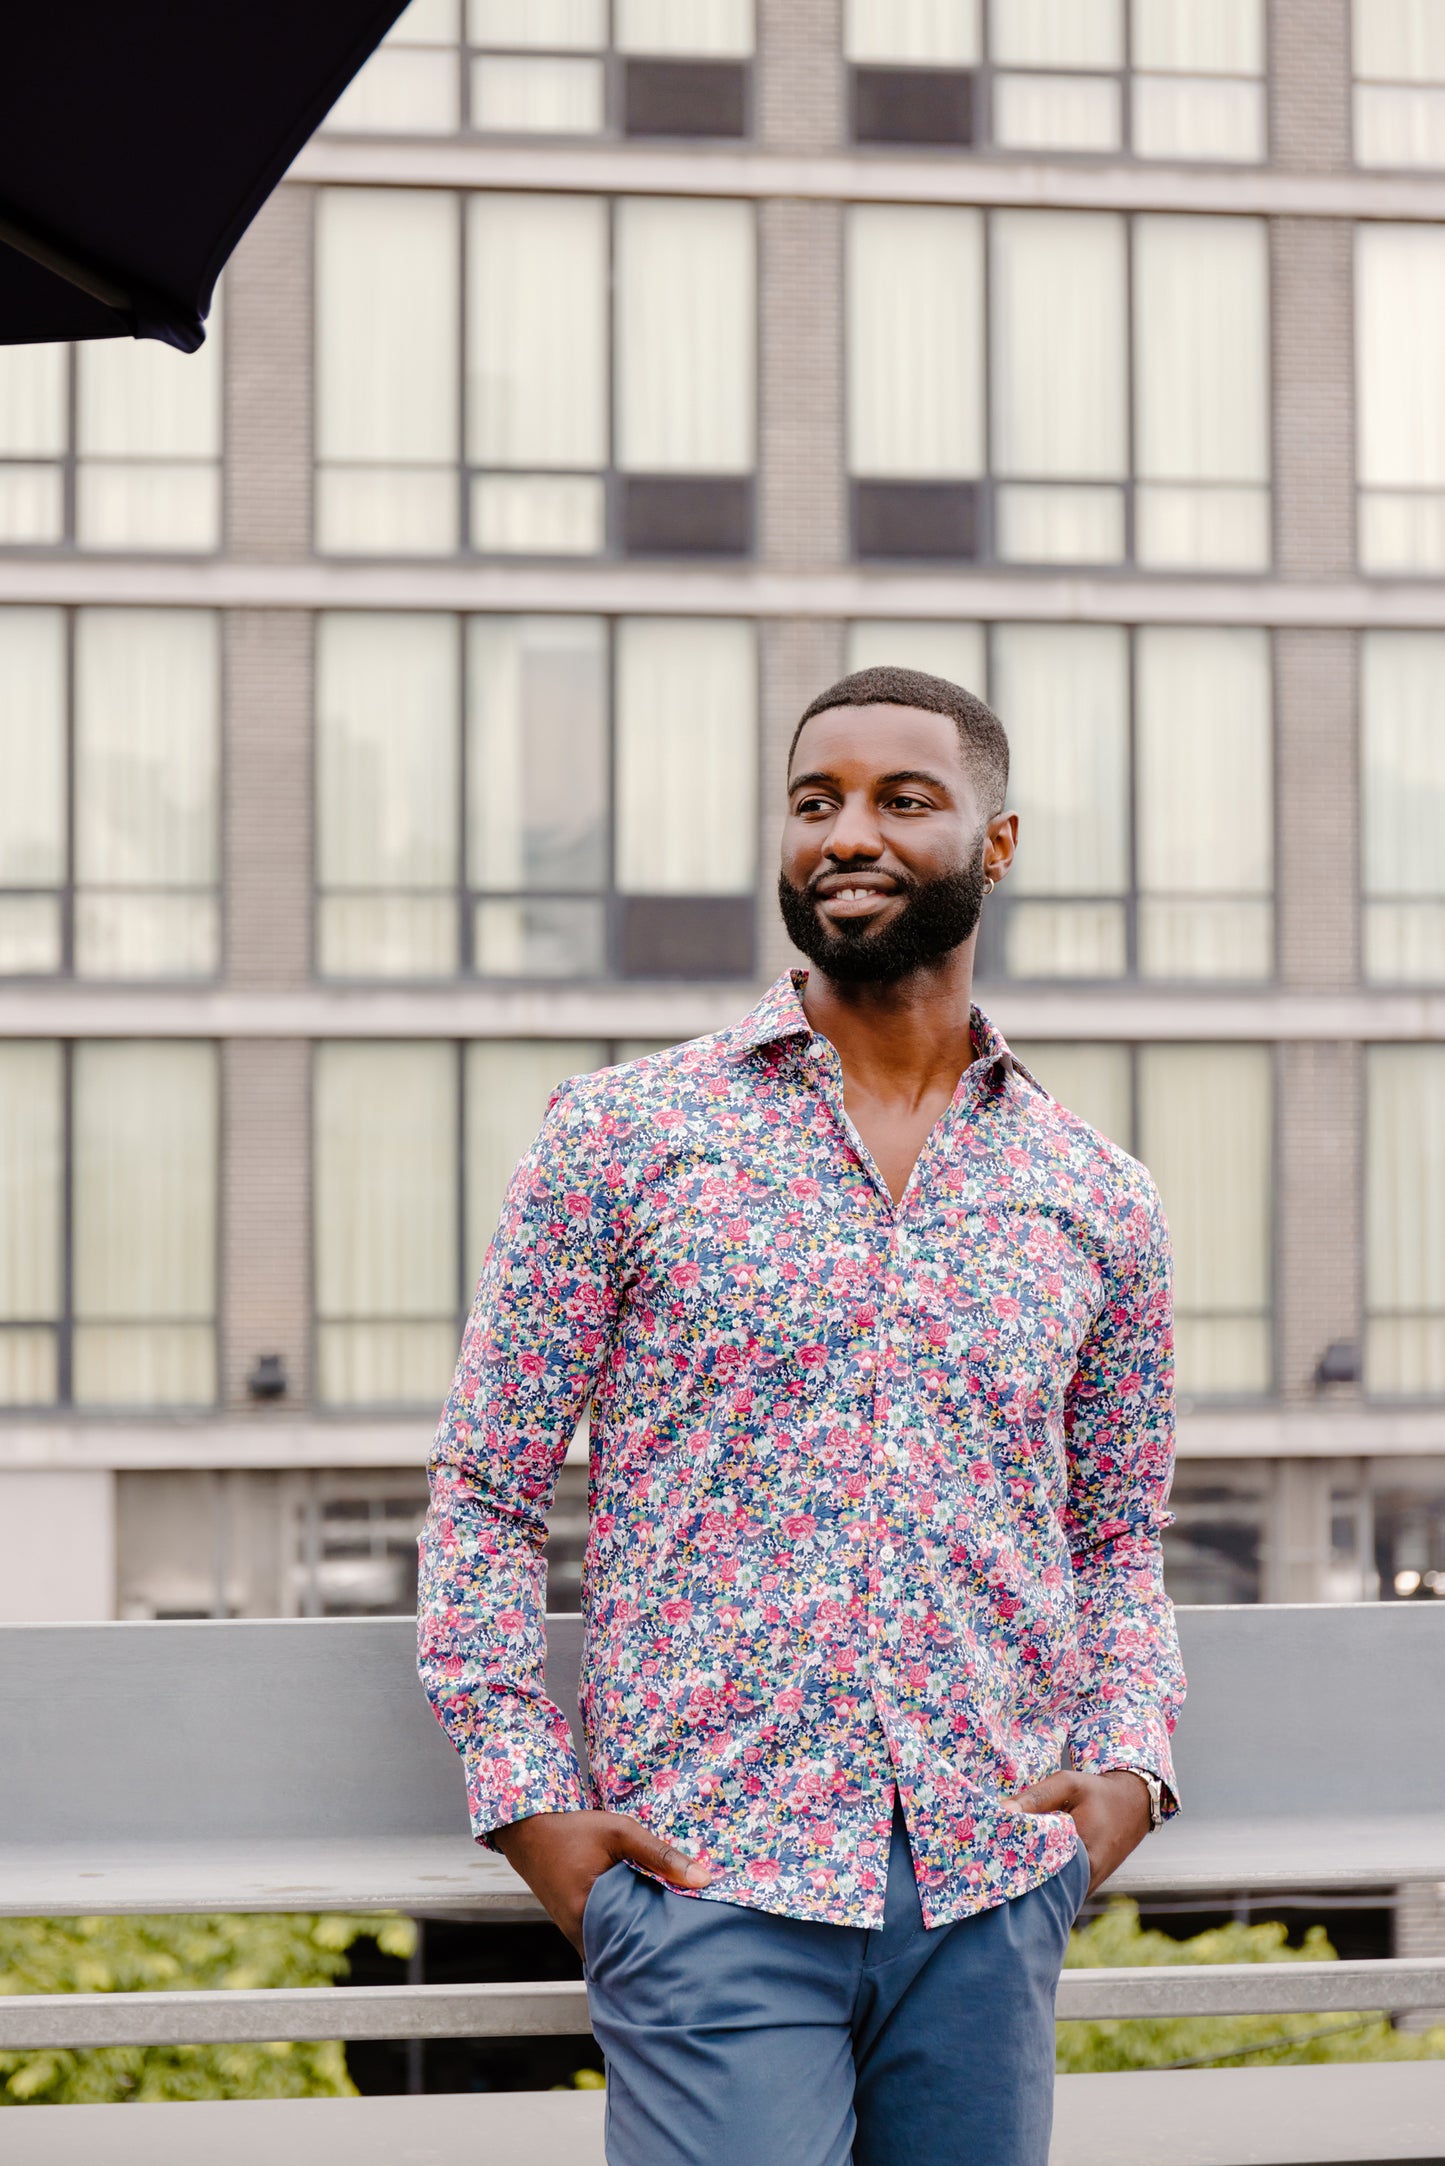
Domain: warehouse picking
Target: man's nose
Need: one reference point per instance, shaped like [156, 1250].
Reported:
[854, 834]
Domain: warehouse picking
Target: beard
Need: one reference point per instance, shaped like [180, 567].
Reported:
[937, 916]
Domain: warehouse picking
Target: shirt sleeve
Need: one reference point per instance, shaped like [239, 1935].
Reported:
[1119, 1421]
[534, 1345]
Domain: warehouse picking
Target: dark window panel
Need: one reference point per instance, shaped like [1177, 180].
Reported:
[912, 105]
[684, 97]
[686, 514]
[916, 519]
[686, 936]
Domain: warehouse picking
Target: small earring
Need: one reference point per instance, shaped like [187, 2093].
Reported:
[987, 885]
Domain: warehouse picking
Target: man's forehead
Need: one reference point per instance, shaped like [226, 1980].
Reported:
[881, 737]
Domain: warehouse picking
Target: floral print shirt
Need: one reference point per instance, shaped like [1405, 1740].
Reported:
[876, 1489]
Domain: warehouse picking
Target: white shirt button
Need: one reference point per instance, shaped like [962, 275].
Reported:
[886, 1552]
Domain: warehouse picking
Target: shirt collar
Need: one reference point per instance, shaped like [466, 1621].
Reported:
[779, 1016]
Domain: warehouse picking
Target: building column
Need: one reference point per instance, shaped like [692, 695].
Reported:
[1309, 83]
[801, 92]
[266, 1217]
[1319, 1236]
[268, 383]
[57, 1545]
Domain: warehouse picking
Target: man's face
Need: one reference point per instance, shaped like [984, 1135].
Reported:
[886, 843]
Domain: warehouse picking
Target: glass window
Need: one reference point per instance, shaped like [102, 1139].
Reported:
[598, 784]
[112, 445]
[1399, 53]
[946, 33]
[109, 793]
[1142, 770]
[32, 1206]
[1054, 75]
[1197, 89]
[1064, 691]
[387, 366]
[388, 790]
[388, 1252]
[915, 302]
[1399, 359]
[414, 1146]
[1059, 438]
[687, 813]
[540, 67]
[118, 1308]
[1216, 1548]
[537, 378]
[1204, 802]
[466, 394]
[1201, 392]
[685, 287]
[1405, 1220]
[1061, 484]
[1402, 688]
[1200, 1118]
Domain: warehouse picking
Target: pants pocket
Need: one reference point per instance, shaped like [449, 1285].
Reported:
[592, 1920]
[1083, 1873]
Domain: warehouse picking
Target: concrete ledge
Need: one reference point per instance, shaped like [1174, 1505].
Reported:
[1366, 2115]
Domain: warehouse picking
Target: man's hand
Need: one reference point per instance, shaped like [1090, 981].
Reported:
[559, 1855]
[1111, 1813]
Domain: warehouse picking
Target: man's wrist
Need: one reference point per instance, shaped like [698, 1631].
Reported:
[1152, 1785]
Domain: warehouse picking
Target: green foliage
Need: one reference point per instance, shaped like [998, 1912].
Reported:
[155, 1955]
[1266, 2041]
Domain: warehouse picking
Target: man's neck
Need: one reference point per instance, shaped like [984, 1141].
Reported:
[905, 1041]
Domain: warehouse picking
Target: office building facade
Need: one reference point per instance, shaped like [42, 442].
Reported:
[394, 697]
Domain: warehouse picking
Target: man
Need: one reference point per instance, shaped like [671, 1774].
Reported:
[877, 1343]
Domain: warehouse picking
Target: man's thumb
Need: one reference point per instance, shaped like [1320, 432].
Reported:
[1055, 1794]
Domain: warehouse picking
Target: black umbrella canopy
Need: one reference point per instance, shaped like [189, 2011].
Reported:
[139, 138]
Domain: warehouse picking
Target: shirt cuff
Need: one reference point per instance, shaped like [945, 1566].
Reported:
[1140, 1744]
[505, 1786]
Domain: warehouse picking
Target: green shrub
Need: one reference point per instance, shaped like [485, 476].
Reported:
[1116, 1937]
[154, 1955]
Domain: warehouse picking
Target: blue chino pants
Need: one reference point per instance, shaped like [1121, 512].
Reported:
[737, 2038]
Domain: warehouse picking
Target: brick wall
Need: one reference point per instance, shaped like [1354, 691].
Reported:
[266, 1216]
[800, 75]
[268, 383]
[1309, 57]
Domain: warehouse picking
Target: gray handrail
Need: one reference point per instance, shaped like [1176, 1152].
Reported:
[558, 2008]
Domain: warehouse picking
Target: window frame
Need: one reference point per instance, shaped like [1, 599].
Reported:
[613, 478]
[1369, 1313]
[71, 460]
[612, 62]
[613, 901]
[65, 1322]
[983, 73]
[67, 891]
[986, 485]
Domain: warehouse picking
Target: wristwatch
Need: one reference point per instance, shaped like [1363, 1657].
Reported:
[1155, 1789]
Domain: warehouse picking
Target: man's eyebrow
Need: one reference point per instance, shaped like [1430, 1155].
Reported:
[915, 774]
[818, 776]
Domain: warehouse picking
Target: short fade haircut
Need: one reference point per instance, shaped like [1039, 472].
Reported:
[982, 735]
